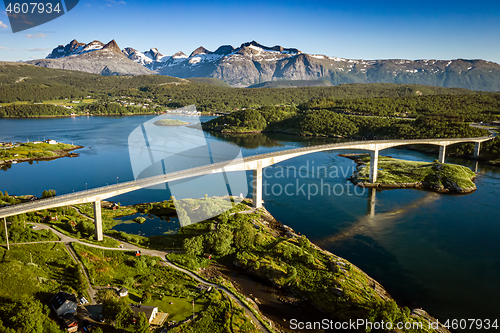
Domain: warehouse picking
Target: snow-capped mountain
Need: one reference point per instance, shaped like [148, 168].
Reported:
[253, 64]
[94, 57]
[147, 59]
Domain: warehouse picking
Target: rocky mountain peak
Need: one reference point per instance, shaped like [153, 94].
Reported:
[154, 54]
[112, 46]
[179, 55]
[200, 50]
[129, 51]
[65, 50]
[224, 49]
[256, 46]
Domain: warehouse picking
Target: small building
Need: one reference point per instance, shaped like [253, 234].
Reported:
[149, 311]
[51, 142]
[63, 303]
[202, 287]
[123, 292]
[137, 253]
[70, 322]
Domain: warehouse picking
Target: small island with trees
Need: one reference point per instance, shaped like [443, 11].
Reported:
[170, 122]
[397, 173]
[12, 153]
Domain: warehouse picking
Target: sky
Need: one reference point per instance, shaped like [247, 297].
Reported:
[350, 29]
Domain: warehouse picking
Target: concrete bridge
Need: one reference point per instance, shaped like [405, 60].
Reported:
[255, 163]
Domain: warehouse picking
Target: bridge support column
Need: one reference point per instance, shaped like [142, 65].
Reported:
[257, 188]
[371, 202]
[6, 233]
[98, 221]
[442, 154]
[477, 147]
[373, 166]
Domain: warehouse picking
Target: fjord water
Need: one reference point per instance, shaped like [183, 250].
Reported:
[436, 251]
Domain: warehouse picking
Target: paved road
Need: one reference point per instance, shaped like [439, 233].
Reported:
[246, 163]
[129, 247]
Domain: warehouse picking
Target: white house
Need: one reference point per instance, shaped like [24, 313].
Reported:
[123, 292]
[149, 311]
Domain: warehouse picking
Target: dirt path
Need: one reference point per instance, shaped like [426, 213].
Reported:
[90, 290]
[162, 254]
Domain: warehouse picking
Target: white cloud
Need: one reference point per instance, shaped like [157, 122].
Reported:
[35, 49]
[39, 49]
[38, 35]
[114, 2]
[3, 25]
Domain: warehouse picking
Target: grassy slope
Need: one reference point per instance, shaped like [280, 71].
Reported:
[52, 270]
[292, 84]
[170, 122]
[165, 285]
[333, 284]
[396, 171]
[34, 150]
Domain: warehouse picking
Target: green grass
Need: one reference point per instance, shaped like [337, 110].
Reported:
[106, 242]
[19, 234]
[181, 309]
[222, 315]
[170, 122]
[52, 270]
[435, 174]
[34, 150]
[64, 102]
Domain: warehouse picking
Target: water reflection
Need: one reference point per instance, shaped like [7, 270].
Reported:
[372, 223]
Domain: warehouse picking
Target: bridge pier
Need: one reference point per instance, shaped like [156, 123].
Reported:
[98, 220]
[477, 147]
[442, 154]
[371, 202]
[373, 166]
[257, 188]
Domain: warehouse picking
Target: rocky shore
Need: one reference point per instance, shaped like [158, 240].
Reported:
[441, 178]
[294, 299]
[59, 154]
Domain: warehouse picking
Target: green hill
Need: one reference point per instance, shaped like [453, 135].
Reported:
[210, 80]
[292, 84]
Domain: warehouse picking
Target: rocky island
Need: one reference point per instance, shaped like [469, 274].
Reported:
[396, 173]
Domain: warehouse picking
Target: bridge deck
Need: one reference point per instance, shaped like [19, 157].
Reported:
[247, 163]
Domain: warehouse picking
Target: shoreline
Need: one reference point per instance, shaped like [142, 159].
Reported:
[410, 147]
[283, 230]
[61, 153]
[104, 115]
[417, 185]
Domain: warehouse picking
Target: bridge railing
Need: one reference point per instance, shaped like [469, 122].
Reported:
[150, 181]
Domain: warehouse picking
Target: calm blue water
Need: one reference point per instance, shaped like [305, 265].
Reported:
[439, 252]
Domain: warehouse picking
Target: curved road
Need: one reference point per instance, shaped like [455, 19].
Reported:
[129, 247]
[247, 163]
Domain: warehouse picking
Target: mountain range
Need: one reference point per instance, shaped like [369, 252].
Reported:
[256, 65]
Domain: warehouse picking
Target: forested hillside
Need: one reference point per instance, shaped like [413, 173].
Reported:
[21, 82]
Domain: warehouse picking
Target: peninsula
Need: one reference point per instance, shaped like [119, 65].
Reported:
[12, 153]
[194, 271]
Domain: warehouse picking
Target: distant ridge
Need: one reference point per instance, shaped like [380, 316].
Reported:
[94, 57]
[253, 64]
